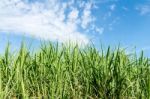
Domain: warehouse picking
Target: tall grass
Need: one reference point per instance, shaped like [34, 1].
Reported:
[64, 72]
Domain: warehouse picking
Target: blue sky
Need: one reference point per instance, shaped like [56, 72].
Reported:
[81, 21]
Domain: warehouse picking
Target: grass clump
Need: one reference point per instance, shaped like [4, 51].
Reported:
[64, 72]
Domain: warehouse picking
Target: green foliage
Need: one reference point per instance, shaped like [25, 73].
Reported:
[64, 72]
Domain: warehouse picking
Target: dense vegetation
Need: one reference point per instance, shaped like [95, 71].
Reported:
[65, 72]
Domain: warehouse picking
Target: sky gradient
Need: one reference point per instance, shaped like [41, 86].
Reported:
[111, 22]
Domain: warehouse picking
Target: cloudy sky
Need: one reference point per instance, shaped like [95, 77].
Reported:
[81, 21]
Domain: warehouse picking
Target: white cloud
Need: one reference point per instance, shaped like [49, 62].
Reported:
[143, 9]
[112, 7]
[86, 17]
[73, 15]
[47, 20]
[99, 30]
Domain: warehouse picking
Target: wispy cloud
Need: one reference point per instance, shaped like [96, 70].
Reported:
[144, 9]
[113, 22]
[112, 7]
[48, 20]
[125, 8]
